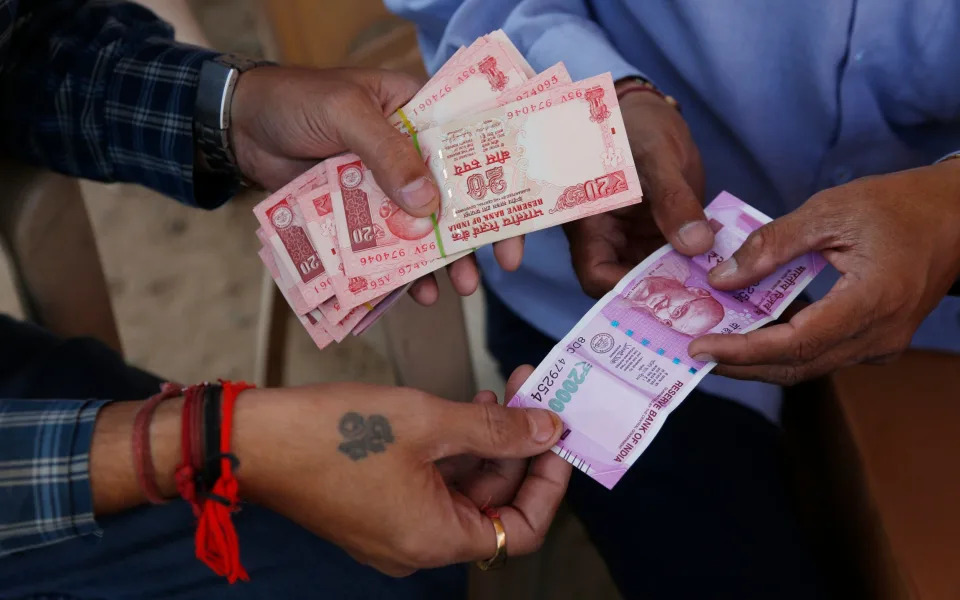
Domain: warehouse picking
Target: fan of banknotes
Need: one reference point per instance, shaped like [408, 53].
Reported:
[512, 152]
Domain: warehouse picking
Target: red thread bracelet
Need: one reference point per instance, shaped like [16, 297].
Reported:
[637, 85]
[188, 469]
[216, 539]
[142, 457]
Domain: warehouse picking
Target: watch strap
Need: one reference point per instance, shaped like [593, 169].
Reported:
[217, 83]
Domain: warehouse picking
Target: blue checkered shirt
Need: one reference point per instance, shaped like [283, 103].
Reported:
[98, 90]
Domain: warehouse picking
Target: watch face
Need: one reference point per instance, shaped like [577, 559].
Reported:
[351, 177]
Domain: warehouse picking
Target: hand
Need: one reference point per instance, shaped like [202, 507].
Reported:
[358, 465]
[896, 241]
[605, 247]
[486, 481]
[285, 119]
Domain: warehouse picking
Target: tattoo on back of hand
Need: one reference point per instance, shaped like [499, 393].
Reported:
[361, 436]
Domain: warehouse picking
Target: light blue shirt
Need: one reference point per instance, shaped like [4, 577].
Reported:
[783, 99]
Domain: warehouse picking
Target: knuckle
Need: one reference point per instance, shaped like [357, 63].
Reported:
[346, 96]
[791, 376]
[396, 151]
[806, 349]
[428, 556]
[896, 295]
[538, 541]
[900, 342]
[496, 425]
[670, 197]
[590, 286]
[756, 242]
[410, 548]
[884, 359]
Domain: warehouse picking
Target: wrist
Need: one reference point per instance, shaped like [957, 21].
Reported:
[642, 87]
[248, 97]
[213, 117]
[948, 170]
[113, 477]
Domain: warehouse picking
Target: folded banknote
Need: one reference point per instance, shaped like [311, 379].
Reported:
[624, 367]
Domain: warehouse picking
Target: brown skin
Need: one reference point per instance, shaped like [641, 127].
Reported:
[413, 505]
[286, 119]
[605, 247]
[896, 241]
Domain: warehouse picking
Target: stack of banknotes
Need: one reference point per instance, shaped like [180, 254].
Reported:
[512, 152]
[624, 367]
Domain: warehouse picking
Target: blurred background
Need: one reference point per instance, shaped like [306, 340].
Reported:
[186, 285]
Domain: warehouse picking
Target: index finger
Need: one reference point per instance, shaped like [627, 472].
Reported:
[676, 209]
[527, 519]
[810, 333]
[593, 253]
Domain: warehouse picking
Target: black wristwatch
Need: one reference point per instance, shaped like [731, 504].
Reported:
[211, 118]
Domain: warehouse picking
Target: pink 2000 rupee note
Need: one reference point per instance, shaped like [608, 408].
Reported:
[285, 230]
[624, 367]
[316, 332]
[556, 157]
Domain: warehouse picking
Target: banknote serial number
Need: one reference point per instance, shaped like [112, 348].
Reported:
[380, 257]
[542, 86]
[547, 381]
[529, 108]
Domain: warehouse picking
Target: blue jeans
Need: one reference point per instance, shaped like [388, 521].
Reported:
[705, 513]
[148, 552]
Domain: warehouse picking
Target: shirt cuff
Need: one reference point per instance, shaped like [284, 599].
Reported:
[45, 471]
[149, 111]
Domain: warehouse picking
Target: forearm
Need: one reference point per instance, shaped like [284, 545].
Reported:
[101, 91]
[113, 479]
[113, 476]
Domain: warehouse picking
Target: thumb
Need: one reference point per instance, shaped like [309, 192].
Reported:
[769, 247]
[494, 431]
[393, 159]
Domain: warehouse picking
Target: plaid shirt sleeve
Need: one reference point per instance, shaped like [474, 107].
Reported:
[98, 89]
[45, 494]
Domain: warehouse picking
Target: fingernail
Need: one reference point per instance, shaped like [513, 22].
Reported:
[543, 424]
[696, 234]
[725, 269]
[418, 193]
[702, 357]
